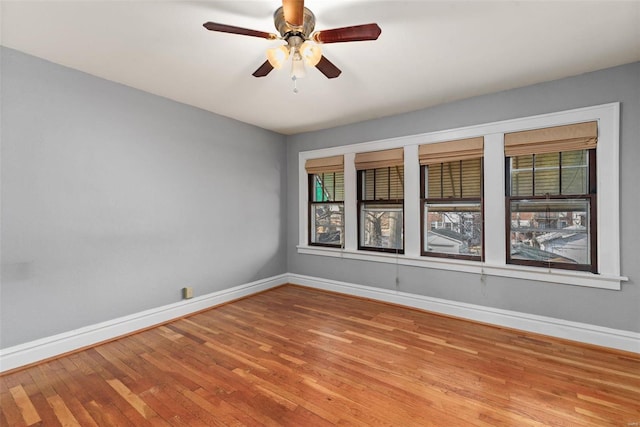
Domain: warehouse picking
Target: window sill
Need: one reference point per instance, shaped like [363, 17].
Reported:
[567, 277]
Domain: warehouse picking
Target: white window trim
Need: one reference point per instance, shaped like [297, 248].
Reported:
[608, 199]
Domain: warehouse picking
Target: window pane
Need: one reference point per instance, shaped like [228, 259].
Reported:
[472, 178]
[339, 186]
[328, 187]
[451, 180]
[327, 223]
[433, 184]
[522, 175]
[381, 226]
[383, 183]
[396, 189]
[551, 231]
[546, 174]
[453, 228]
[569, 170]
[575, 172]
[368, 184]
[443, 179]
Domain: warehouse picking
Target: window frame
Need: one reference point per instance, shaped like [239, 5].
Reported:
[361, 202]
[591, 196]
[494, 263]
[440, 200]
[331, 202]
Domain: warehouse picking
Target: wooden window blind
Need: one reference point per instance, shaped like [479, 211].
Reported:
[325, 165]
[380, 159]
[580, 136]
[450, 151]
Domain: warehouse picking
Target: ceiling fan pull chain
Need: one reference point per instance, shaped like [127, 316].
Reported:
[295, 84]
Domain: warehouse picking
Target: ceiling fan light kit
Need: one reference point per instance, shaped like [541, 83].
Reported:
[296, 23]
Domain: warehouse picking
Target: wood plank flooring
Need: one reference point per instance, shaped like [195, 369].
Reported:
[294, 356]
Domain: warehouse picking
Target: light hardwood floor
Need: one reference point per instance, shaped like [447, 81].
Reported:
[294, 356]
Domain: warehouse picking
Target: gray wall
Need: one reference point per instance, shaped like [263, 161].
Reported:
[114, 199]
[615, 309]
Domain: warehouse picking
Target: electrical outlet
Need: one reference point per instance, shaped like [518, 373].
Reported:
[187, 293]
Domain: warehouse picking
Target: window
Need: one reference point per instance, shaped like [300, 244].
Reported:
[551, 197]
[451, 189]
[381, 200]
[540, 168]
[326, 201]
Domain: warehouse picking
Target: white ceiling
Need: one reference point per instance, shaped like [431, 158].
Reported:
[429, 52]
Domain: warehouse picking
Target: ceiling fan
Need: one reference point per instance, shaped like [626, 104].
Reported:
[296, 23]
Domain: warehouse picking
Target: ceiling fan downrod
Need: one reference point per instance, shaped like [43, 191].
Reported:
[286, 30]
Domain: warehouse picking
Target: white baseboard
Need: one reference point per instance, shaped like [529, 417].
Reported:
[45, 348]
[581, 332]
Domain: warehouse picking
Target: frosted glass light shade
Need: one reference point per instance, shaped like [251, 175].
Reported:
[297, 68]
[277, 56]
[311, 53]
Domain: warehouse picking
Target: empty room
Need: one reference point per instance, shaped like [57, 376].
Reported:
[316, 213]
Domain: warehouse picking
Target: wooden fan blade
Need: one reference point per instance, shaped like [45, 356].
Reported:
[263, 70]
[214, 26]
[327, 68]
[293, 12]
[348, 34]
